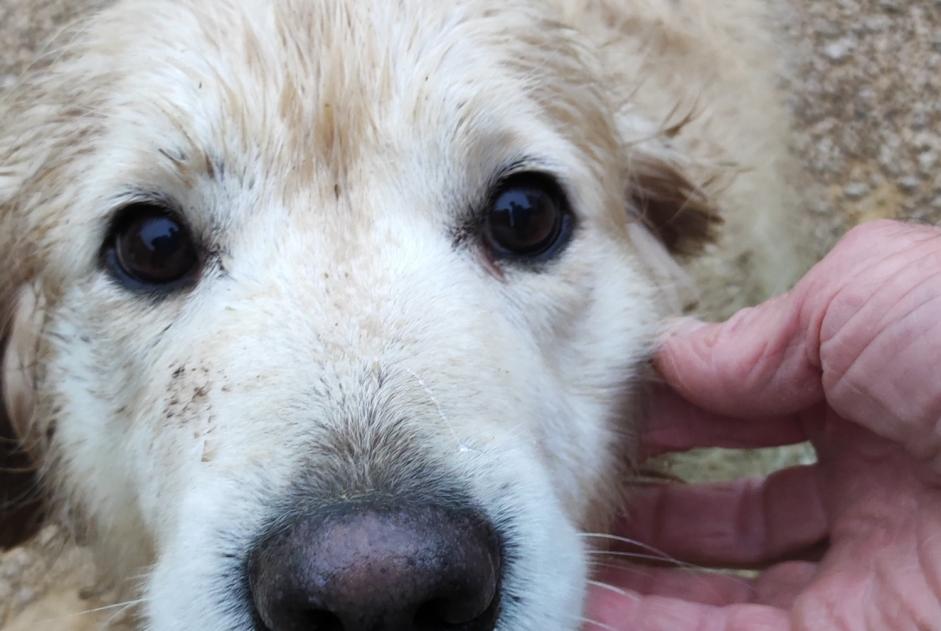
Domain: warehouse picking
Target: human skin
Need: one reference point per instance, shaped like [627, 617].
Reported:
[848, 360]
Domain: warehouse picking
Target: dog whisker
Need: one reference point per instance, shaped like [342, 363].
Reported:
[636, 555]
[612, 588]
[629, 541]
[462, 447]
[121, 607]
[596, 624]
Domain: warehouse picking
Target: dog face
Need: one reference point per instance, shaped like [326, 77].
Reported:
[361, 274]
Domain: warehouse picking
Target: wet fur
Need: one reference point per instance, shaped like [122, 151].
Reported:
[345, 340]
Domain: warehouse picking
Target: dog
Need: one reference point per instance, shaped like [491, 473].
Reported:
[336, 314]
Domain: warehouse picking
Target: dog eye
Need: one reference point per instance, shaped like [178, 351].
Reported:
[529, 218]
[150, 247]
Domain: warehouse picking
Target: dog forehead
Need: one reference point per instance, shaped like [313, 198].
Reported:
[318, 93]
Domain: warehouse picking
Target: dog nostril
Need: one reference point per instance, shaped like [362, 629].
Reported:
[368, 568]
[454, 613]
[322, 621]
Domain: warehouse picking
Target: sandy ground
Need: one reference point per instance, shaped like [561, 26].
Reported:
[868, 124]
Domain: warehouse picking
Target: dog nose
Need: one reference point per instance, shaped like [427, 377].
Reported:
[362, 568]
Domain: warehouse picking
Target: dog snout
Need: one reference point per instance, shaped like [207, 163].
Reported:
[369, 568]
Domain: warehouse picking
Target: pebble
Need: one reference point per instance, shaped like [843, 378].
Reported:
[838, 50]
[856, 190]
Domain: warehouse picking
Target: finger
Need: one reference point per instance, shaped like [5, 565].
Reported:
[780, 585]
[676, 425]
[756, 364]
[767, 360]
[623, 610]
[746, 523]
[686, 583]
[777, 586]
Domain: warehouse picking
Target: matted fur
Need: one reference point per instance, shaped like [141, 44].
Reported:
[342, 340]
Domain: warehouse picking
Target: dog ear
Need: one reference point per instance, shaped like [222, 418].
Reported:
[21, 508]
[675, 209]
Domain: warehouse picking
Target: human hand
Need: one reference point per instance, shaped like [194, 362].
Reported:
[848, 360]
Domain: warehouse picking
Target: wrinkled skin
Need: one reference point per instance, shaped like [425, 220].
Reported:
[847, 360]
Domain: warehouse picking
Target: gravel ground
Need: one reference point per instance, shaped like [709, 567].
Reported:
[864, 98]
[865, 101]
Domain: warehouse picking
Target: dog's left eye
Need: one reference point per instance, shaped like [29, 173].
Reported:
[528, 219]
[151, 248]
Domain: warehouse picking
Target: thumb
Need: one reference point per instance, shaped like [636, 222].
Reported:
[768, 360]
[756, 364]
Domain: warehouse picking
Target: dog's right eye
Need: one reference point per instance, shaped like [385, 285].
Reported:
[150, 248]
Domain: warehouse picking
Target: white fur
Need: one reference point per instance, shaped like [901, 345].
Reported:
[344, 138]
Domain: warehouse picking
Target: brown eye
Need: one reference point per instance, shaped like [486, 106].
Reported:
[529, 218]
[151, 248]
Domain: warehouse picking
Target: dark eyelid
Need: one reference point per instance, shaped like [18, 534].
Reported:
[139, 196]
[519, 167]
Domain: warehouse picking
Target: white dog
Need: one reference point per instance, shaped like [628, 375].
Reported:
[334, 314]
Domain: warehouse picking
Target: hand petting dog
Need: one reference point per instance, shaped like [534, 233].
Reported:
[847, 361]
